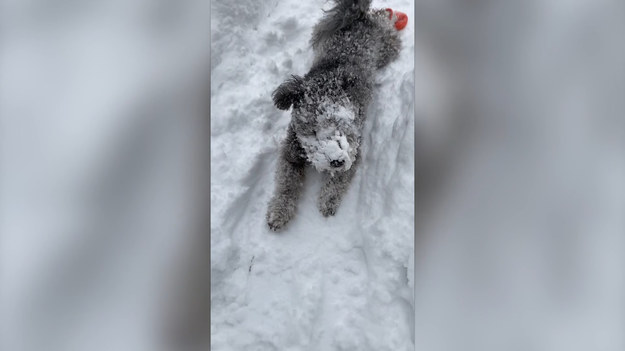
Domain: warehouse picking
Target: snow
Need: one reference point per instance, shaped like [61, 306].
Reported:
[338, 283]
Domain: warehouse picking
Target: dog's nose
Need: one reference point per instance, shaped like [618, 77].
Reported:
[337, 163]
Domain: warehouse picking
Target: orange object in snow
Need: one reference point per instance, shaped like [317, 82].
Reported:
[402, 19]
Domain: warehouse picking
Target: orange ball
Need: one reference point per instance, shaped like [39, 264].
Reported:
[402, 19]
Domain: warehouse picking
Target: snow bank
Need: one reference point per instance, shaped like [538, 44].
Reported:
[340, 283]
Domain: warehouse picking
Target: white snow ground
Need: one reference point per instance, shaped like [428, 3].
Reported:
[340, 283]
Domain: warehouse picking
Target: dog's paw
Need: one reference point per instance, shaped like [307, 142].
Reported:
[278, 216]
[275, 221]
[328, 211]
[328, 205]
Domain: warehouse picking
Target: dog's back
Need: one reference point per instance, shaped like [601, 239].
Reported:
[342, 15]
[352, 33]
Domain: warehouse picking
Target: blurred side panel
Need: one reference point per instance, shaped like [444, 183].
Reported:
[103, 181]
[520, 175]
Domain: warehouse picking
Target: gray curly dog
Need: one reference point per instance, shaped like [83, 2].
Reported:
[350, 43]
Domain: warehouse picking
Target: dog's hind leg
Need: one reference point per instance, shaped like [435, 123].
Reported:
[289, 183]
[334, 188]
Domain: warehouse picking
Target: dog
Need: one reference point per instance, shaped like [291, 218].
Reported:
[350, 43]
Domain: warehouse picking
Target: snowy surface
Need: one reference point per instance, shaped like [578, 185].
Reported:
[339, 283]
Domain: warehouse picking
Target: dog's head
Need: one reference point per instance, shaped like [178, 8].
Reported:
[324, 122]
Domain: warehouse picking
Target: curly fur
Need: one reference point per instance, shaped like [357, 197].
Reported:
[350, 43]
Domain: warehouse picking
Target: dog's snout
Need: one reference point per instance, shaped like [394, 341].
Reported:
[337, 163]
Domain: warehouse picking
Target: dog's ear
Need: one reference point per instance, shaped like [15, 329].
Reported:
[288, 92]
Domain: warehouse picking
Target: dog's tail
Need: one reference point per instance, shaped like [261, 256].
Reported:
[343, 14]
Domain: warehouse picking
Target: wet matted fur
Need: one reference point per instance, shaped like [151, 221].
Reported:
[350, 43]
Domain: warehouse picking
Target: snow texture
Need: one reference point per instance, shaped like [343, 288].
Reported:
[339, 283]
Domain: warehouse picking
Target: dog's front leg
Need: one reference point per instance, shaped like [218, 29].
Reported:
[333, 190]
[289, 183]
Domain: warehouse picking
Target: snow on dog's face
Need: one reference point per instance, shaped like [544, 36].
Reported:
[327, 132]
[324, 124]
